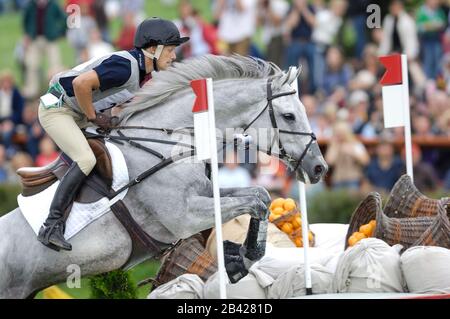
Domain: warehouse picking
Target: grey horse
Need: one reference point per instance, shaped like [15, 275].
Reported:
[177, 201]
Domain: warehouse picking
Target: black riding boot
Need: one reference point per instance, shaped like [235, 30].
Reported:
[51, 233]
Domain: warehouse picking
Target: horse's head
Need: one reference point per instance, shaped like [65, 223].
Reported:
[248, 93]
[295, 143]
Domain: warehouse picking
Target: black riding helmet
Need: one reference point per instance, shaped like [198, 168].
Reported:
[157, 31]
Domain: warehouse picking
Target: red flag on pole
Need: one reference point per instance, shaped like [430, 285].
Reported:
[396, 99]
[201, 119]
[206, 148]
[393, 65]
[201, 96]
[393, 91]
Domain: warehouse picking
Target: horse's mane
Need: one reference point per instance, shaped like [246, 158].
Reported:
[178, 77]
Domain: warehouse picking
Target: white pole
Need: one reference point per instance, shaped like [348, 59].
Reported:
[215, 179]
[407, 119]
[304, 216]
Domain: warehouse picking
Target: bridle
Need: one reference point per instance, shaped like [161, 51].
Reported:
[269, 106]
[120, 138]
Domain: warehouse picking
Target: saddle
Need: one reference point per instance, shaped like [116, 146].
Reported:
[99, 181]
[36, 179]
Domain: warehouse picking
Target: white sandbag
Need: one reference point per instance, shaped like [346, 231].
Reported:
[187, 286]
[369, 266]
[246, 288]
[332, 263]
[278, 260]
[236, 231]
[330, 236]
[292, 282]
[426, 269]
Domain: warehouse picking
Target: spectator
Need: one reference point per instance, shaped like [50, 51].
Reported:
[34, 131]
[299, 24]
[3, 169]
[358, 106]
[425, 176]
[446, 71]
[443, 124]
[203, 36]
[47, 152]
[19, 160]
[136, 7]
[101, 19]
[321, 124]
[237, 23]
[326, 27]
[422, 126]
[44, 23]
[374, 126]
[337, 72]
[347, 156]
[400, 35]
[385, 169]
[125, 41]
[436, 105]
[431, 22]
[233, 175]
[271, 16]
[11, 107]
[357, 15]
[367, 77]
[399, 32]
[97, 47]
[79, 37]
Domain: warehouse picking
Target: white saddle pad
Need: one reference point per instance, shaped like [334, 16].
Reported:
[36, 208]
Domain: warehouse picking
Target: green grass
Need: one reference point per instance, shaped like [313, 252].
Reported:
[138, 273]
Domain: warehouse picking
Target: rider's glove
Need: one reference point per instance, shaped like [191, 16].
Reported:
[105, 122]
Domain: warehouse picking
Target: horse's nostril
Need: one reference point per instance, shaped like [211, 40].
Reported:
[318, 169]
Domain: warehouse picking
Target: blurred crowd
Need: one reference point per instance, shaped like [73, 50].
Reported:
[332, 40]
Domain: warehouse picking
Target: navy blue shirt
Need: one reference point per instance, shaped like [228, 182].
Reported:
[385, 178]
[303, 30]
[112, 72]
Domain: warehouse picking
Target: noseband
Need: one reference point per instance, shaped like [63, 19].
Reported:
[283, 155]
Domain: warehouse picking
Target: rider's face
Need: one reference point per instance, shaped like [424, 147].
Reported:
[168, 55]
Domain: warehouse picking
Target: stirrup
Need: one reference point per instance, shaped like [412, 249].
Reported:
[46, 231]
[44, 238]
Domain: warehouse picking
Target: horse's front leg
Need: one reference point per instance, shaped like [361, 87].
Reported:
[254, 246]
[258, 191]
[200, 212]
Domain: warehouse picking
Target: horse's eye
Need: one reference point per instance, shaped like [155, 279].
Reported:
[289, 116]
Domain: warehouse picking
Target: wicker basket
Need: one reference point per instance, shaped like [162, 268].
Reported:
[404, 231]
[296, 233]
[438, 234]
[368, 209]
[405, 200]
[188, 257]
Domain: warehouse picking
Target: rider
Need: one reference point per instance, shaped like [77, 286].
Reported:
[79, 96]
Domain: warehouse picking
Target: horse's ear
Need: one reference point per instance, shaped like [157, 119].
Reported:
[293, 73]
[283, 78]
[289, 76]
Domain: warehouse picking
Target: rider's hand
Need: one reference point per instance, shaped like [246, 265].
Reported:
[104, 121]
